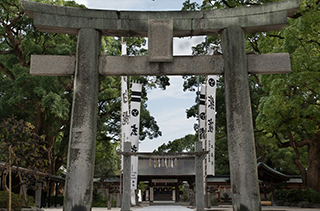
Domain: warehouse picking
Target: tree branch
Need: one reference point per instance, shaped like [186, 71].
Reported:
[276, 36]
[8, 73]
[301, 13]
[226, 3]
[257, 80]
[17, 50]
[302, 143]
[297, 161]
[6, 52]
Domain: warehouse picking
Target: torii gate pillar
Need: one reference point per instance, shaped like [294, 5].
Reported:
[242, 154]
[83, 128]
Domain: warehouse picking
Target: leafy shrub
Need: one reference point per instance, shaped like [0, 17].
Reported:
[30, 201]
[281, 194]
[100, 203]
[295, 195]
[214, 201]
[98, 200]
[298, 195]
[311, 196]
[16, 200]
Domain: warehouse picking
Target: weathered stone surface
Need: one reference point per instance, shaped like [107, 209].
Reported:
[267, 17]
[181, 65]
[52, 65]
[275, 63]
[242, 155]
[126, 178]
[82, 142]
[199, 177]
[160, 40]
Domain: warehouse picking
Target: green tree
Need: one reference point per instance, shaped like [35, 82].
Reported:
[45, 102]
[185, 144]
[27, 148]
[285, 107]
[289, 113]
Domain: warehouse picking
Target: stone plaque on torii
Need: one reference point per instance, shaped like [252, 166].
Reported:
[160, 28]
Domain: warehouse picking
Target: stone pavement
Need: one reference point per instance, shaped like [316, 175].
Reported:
[182, 208]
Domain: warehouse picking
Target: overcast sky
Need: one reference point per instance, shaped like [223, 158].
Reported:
[169, 106]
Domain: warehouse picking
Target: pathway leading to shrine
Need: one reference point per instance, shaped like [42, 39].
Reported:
[181, 208]
[164, 208]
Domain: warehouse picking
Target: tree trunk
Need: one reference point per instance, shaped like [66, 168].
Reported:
[10, 180]
[4, 180]
[313, 172]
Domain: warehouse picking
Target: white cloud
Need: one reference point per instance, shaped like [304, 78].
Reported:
[183, 46]
[175, 90]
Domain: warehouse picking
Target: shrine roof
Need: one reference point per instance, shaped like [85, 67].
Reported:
[268, 174]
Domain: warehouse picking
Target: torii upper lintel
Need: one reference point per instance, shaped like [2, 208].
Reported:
[68, 20]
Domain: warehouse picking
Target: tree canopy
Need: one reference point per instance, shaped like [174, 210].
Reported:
[45, 101]
[285, 107]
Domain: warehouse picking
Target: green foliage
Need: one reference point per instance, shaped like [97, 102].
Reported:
[27, 146]
[288, 114]
[298, 195]
[98, 200]
[30, 201]
[142, 186]
[179, 145]
[222, 157]
[285, 107]
[17, 201]
[45, 101]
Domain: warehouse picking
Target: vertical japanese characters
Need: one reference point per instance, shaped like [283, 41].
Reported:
[134, 130]
[211, 86]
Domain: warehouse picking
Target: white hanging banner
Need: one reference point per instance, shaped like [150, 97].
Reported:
[134, 130]
[125, 115]
[211, 86]
[123, 48]
[202, 130]
[202, 116]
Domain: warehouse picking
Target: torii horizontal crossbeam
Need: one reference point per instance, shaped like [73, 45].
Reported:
[182, 65]
[68, 20]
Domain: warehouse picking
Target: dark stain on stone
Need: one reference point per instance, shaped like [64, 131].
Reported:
[243, 208]
[234, 189]
[161, 67]
[79, 208]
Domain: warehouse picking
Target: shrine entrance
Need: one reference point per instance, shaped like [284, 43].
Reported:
[160, 28]
[163, 193]
[164, 175]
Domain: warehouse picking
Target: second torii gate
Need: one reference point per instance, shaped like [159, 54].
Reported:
[160, 28]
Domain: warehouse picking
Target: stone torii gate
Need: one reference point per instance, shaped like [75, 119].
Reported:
[160, 28]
